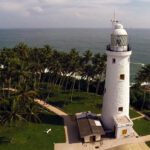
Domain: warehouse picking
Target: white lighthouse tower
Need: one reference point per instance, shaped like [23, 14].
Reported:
[115, 111]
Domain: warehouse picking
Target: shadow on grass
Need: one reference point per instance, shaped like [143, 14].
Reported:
[147, 113]
[5, 140]
[51, 119]
[78, 98]
[148, 144]
[99, 106]
[59, 104]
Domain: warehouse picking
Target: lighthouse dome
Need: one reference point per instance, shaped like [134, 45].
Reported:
[118, 26]
[119, 38]
[119, 30]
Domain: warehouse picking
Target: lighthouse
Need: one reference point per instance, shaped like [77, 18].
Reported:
[115, 110]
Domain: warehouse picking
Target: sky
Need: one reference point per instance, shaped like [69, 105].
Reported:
[73, 13]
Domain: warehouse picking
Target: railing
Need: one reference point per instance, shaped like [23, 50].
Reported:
[108, 47]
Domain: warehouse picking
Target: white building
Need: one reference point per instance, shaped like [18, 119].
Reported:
[116, 93]
[123, 126]
[90, 127]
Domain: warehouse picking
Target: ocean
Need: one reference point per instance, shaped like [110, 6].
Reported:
[81, 39]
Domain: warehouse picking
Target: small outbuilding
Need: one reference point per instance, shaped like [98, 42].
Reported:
[123, 126]
[90, 127]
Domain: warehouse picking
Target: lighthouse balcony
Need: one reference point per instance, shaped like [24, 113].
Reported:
[118, 48]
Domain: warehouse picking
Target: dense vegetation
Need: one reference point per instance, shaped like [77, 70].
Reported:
[33, 71]
[140, 93]
[26, 73]
[70, 80]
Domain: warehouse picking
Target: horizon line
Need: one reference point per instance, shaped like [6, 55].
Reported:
[67, 28]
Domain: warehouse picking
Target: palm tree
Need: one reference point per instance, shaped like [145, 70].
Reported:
[144, 76]
[87, 70]
[11, 112]
[19, 106]
[38, 62]
[73, 67]
[99, 67]
[10, 63]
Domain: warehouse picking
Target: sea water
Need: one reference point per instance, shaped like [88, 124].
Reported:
[81, 39]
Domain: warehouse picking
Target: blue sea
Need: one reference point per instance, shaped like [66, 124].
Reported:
[81, 39]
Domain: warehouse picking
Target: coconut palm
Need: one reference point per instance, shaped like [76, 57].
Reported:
[99, 66]
[19, 106]
[144, 76]
[87, 71]
[73, 67]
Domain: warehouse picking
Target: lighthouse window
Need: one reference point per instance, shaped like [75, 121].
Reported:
[119, 40]
[120, 109]
[122, 77]
[113, 60]
[124, 131]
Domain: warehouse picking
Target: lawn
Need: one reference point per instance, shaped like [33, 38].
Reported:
[134, 114]
[142, 126]
[148, 144]
[32, 136]
[81, 101]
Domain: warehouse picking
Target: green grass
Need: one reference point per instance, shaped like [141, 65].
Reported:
[146, 112]
[133, 113]
[31, 136]
[142, 126]
[148, 143]
[81, 101]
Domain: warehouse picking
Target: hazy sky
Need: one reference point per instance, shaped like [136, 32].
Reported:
[73, 13]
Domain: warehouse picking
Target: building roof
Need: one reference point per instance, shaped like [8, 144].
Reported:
[89, 125]
[122, 120]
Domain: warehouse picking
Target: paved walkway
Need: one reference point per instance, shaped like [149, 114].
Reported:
[106, 144]
[56, 111]
[60, 113]
[69, 122]
[142, 115]
[9, 89]
[51, 108]
[72, 141]
[139, 146]
[137, 118]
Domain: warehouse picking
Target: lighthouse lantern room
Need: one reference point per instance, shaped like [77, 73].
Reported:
[115, 110]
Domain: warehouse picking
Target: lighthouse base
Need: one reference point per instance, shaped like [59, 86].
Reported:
[123, 126]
